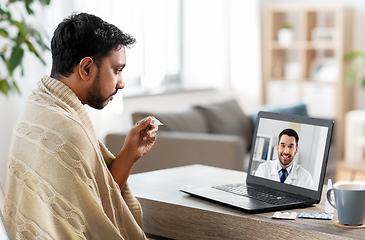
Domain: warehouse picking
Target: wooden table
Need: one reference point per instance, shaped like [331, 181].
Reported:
[170, 213]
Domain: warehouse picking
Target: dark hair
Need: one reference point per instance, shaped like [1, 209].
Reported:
[84, 35]
[291, 133]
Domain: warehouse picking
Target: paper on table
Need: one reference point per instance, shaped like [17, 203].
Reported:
[285, 215]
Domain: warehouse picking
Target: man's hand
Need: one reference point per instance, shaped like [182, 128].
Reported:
[139, 141]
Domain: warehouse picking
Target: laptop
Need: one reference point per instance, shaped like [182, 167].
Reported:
[262, 190]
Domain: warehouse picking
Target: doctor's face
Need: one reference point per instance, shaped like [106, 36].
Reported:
[287, 148]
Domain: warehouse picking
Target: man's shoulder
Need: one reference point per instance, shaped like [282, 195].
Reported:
[52, 118]
[46, 110]
[52, 121]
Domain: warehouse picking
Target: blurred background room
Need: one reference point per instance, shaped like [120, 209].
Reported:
[192, 52]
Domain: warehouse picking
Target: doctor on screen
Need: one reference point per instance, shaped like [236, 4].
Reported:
[284, 169]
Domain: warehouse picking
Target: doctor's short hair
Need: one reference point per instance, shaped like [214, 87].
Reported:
[291, 133]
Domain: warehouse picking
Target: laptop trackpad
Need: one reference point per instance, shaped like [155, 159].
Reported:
[234, 199]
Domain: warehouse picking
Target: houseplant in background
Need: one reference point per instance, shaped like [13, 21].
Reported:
[285, 34]
[356, 58]
[17, 37]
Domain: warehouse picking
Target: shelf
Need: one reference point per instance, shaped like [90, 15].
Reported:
[294, 45]
[305, 45]
[306, 63]
[302, 80]
[322, 45]
[263, 147]
[259, 160]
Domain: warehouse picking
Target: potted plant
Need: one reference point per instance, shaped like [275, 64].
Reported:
[356, 58]
[285, 34]
[17, 37]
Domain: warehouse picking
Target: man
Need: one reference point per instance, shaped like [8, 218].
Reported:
[284, 169]
[62, 181]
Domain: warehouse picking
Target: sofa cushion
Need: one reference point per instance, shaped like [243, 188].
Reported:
[228, 118]
[191, 120]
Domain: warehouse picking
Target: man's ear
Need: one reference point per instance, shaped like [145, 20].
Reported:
[85, 68]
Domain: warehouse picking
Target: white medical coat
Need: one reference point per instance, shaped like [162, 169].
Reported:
[298, 175]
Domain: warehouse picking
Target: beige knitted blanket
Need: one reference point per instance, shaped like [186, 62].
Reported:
[58, 183]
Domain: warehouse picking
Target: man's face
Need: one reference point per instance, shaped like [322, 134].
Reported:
[108, 79]
[287, 148]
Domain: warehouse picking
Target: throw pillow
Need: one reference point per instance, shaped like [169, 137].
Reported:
[227, 117]
[190, 120]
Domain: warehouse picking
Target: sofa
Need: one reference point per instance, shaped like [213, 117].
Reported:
[218, 134]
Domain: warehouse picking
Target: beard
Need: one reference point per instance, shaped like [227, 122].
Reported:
[95, 98]
[286, 162]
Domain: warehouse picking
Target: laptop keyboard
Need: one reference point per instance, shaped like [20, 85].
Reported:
[257, 194]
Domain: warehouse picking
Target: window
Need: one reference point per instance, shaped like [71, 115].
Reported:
[155, 60]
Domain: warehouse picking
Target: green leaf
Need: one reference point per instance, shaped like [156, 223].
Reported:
[12, 54]
[31, 47]
[42, 45]
[38, 37]
[15, 59]
[33, 50]
[357, 63]
[4, 9]
[350, 76]
[22, 28]
[21, 69]
[29, 10]
[3, 33]
[27, 1]
[3, 57]
[351, 73]
[16, 87]
[4, 86]
[45, 2]
[353, 55]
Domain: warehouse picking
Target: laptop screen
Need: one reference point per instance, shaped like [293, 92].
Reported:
[298, 144]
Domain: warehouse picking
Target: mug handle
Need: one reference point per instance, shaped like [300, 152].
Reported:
[329, 198]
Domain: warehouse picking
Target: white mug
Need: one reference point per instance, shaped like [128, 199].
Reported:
[349, 202]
